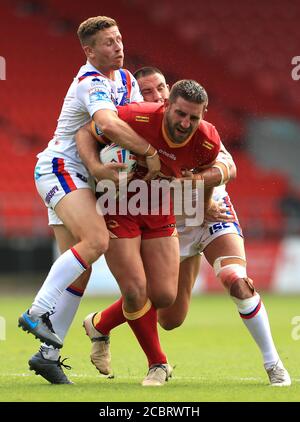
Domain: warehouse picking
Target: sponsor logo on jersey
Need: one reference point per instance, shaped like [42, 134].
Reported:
[97, 95]
[167, 154]
[144, 119]
[97, 82]
[51, 193]
[207, 144]
[121, 89]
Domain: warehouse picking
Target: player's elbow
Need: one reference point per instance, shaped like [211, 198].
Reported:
[109, 124]
[110, 130]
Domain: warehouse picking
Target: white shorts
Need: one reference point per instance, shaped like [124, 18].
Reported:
[55, 177]
[193, 240]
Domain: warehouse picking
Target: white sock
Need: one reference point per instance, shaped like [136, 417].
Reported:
[65, 311]
[49, 352]
[65, 270]
[62, 319]
[255, 317]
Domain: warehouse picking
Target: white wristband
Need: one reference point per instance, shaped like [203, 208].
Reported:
[152, 156]
[148, 147]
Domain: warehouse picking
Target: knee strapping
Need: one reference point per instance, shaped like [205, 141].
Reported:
[229, 269]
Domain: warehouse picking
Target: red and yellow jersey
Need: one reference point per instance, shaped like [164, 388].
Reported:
[200, 149]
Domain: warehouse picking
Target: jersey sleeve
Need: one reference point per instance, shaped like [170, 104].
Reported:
[126, 113]
[136, 96]
[95, 94]
[224, 156]
[210, 147]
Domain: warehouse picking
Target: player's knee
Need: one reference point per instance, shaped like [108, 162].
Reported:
[169, 323]
[163, 300]
[231, 270]
[134, 294]
[97, 244]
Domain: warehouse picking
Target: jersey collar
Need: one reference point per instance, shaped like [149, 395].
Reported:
[102, 74]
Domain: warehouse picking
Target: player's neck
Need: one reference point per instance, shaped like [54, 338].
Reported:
[109, 73]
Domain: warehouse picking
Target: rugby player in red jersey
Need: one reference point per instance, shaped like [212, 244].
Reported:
[183, 141]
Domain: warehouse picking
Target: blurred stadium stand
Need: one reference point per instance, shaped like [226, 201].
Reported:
[240, 51]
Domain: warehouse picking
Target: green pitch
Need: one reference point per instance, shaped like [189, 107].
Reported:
[215, 358]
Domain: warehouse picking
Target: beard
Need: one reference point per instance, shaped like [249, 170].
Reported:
[177, 133]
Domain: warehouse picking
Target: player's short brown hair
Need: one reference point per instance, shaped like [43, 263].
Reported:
[146, 71]
[91, 26]
[189, 90]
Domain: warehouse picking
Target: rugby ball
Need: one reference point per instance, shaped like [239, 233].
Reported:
[113, 153]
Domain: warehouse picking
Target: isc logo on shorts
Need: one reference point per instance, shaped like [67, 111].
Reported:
[217, 227]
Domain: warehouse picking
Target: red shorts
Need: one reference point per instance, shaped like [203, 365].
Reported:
[146, 226]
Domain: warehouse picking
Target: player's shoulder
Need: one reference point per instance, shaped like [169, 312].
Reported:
[125, 72]
[209, 132]
[89, 77]
[143, 109]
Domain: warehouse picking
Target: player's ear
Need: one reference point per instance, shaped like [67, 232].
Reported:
[89, 51]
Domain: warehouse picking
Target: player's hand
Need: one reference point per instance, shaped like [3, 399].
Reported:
[153, 164]
[218, 211]
[189, 175]
[110, 171]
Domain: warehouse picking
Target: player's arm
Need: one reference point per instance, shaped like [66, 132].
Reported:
[208, 201]
[88, 149]
[96, 99]
[119, 132]
[223, 170]
[220, 172]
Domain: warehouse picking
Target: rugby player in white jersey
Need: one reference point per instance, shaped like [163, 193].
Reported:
[220, 239]
[64, 185]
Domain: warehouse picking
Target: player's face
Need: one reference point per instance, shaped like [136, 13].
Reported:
[182, 118]
[154, 88]
[107, 52]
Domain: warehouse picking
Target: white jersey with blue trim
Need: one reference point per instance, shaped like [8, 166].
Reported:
[89, 92]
